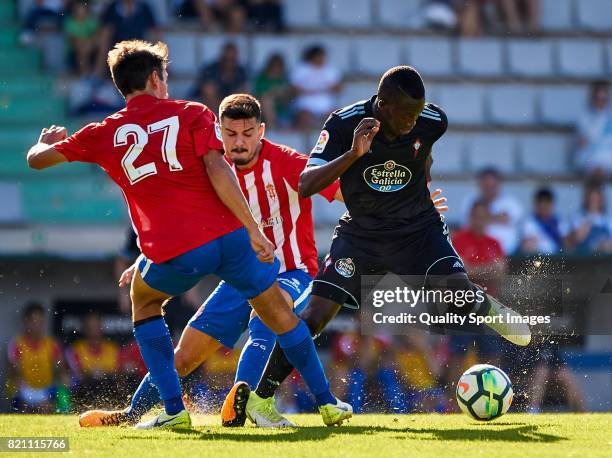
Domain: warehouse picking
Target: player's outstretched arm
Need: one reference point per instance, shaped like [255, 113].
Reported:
[43, 155]
[316, 178]
[226, 185]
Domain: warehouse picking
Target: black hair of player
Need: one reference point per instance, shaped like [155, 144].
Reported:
[399, 82]
[477, 204]
[240, 106]
[132, 62]
[544, 194]
[32, 308]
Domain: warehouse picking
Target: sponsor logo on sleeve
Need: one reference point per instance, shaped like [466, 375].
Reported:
[218, 132]
[321, 142]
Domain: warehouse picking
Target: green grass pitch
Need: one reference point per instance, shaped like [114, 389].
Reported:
[377, 436]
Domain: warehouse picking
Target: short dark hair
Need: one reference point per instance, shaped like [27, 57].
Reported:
[401, 81]
[240, 106]
[544, 194]
[478, 203]
[131, 63]
[312, 51]
[489, 171]
[32, 308]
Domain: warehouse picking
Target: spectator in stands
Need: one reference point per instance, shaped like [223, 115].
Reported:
[123, 20]
[543, 231]
[265, 15]
[474, 15]
[272, 88]
[214, 15]
[43, 13]
[504, 211]
[80, 28]
[221, 78]
[35, 366]
[94, 361]
[595, 133]
[592, 229]
[482, 255]
[520, 16]
[316, 84]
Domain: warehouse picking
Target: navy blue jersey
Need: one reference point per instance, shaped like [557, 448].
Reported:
[385, 190]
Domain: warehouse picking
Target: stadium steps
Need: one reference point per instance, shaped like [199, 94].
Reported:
[76, 200]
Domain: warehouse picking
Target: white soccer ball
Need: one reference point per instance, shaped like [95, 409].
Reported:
[484, 392]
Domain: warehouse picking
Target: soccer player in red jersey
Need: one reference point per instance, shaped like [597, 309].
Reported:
[190, 215]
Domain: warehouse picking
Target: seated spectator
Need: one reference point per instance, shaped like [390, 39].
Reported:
[272, 88]
[594, 131]
[592, 229]
[504, 210]
[42, 13]
[94, 362]
[221, 78]
[482, 255]
[265, 15]
[543, 232]
[316, 84]
[474, 16]
[228, 16]
[35, 366]
[520, 16]
[80, 28]
[123, 20]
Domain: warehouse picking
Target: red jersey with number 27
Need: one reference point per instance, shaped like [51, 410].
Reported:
[153, 150]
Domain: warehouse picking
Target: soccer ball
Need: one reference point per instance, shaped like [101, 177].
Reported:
[484, 392]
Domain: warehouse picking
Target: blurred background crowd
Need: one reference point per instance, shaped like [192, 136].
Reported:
[526, 166]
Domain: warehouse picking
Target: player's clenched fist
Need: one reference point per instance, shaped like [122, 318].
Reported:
[363, 135]
[262, 246]
[52, 135]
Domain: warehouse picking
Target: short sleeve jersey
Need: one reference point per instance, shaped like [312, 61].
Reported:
[385, 190]
[153, 151]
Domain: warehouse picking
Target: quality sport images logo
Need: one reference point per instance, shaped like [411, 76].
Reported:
[387, 177]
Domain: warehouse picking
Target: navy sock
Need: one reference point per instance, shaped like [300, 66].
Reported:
[255, 353]
[300, 351]
[155, 344]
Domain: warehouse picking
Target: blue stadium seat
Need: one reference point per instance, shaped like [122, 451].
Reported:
[183, 57]
[496, 150]
[295, 140]
[594, 14]
[455, 191]
[262, 46]
[376, 54]
[449, 155]
[544, 154]
[349, 13]
[353, 92]
[562, 105]
[463, 103]
[530, 58]
[180, 88]
[480, 57]
[11, 203]
[512, 104]
[581, 58]
[161, 10]
[209, 47]
[430, 56]
[522, 191]
[303, 14]
[568, 199]
[400, 13]
[556, 14]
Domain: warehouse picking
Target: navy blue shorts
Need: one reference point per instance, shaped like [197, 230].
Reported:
[229, 256]
[225, 314]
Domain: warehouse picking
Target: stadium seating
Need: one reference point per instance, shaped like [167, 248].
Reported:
[534, 87]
